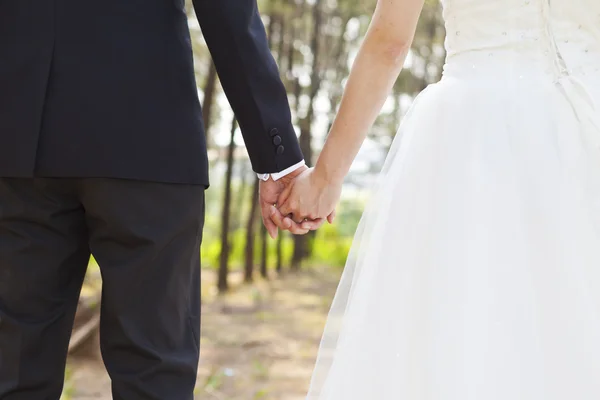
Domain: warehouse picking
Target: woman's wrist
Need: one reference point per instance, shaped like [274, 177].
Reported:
[329, 174]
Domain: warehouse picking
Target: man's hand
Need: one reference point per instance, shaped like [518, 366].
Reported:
[269, 192]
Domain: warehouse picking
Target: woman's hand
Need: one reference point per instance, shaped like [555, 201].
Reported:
[269, 192]
[311, 198]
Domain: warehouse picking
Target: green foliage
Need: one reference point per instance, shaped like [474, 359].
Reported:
[211, 249]
[68, 389]
[261, 394]
[349, 214]
[260, 370]
[214, 381]
[330, 245]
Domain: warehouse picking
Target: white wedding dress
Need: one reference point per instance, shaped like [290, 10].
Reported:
[475, 272]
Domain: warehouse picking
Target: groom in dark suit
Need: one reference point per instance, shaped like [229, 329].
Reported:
[102, 151]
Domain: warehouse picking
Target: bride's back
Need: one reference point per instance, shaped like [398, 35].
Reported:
[523, 37]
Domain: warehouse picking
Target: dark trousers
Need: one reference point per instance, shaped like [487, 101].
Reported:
[146, 239]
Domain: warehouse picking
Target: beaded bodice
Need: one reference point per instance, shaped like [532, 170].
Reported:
[547, 37]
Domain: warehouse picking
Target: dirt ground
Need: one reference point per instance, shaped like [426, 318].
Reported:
[258, 343]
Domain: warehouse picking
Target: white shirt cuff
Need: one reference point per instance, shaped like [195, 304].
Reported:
[279, 175]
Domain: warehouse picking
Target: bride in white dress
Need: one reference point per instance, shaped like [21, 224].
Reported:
[475, 272]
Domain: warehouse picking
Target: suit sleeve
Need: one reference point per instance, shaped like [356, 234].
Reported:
[237, 41]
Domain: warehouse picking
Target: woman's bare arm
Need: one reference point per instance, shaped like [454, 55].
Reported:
[314, 194]
[373, 74]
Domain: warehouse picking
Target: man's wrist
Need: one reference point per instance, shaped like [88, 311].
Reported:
[278, 175]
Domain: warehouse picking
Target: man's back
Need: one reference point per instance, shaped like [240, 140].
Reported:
[107, 89]
[99, 89]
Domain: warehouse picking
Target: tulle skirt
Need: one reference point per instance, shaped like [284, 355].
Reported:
[475, 272]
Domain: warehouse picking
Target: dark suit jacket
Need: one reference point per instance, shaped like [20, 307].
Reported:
[106, 88]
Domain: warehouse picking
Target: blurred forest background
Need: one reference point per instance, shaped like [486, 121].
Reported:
[264, 301]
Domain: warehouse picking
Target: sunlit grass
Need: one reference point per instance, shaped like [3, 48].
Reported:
[68, 389]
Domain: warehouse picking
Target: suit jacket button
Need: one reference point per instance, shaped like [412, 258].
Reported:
[280, 150]
[277, 140]
[274, 132]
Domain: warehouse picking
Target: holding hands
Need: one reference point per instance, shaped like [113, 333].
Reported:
[299, 202]
[308, 201]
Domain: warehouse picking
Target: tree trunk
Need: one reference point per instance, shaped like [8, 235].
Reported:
[340, 68]
[223, 284]
[285, 60]
[250, 232]
[241, 196]
[291, 49]
[281, 49]
[302, 243]
[301, 251]
[210, 89]
[279, 266]
[264, 255]
[299, 241]
[270, 28]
